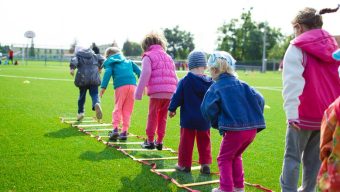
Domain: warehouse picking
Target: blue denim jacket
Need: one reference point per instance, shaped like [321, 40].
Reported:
[232, 105]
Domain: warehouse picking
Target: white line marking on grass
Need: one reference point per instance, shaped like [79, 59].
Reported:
[37, 78]
[270, 88]
[93, 125]
[200, 183]
[146, 150]
[155, 159]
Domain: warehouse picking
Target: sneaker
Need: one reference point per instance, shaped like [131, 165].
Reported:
[113, 135]
[238, 189]
[205, 169]
[148, 145]
[98, 110]
[183, 169]
[80, 116]
[159, 146]
[123, 136]
[216, 190]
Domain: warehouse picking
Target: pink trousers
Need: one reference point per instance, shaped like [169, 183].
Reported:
[124, 100]
[158, 110]
[186, 147]
[229, 160]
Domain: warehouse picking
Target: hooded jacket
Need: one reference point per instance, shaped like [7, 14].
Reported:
[88, 65]
[189, 96]
[310, 78]
[121, 70]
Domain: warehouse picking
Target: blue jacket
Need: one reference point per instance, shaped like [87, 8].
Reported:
[121, 71]
[189, 95]
[232, 105]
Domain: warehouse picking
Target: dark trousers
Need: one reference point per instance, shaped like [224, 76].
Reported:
[93, 89]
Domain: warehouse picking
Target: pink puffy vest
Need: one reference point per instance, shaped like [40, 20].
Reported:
[163, 75]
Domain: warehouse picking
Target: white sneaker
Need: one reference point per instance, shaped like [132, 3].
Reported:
[80, 116]
[98, 110]
[238, 189]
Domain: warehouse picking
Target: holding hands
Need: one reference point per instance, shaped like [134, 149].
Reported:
[172, 114]
[102, 91]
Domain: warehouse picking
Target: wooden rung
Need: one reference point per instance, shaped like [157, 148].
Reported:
[174, 170]
[93, 125]
[155, 158]
[200, 183]
[104, 136]
[149, 150]
[74, 118]
[84, 121]
[126, 143]
[97, 130]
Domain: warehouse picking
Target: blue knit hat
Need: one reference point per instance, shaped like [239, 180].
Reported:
[197, 59]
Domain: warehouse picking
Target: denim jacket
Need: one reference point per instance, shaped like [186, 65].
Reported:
[232, 105]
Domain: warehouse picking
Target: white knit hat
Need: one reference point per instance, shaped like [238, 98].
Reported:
[221, 55]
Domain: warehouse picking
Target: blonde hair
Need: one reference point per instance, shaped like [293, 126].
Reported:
[154, 38]
[310, 18]
[111, 51]
[222, 66]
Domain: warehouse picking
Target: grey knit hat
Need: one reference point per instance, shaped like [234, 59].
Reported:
[197, 59]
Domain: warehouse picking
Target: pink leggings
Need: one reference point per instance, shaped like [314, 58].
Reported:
[124, 100]
[158, 110]
[229, 160]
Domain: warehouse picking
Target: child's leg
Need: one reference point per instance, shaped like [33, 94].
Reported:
[94, 95]
[81, 99]
[128, 106]
[118, 108]
[238, 173]
[162, 117]
[152, 119]
[186, 146]
[232, 144]
[204, 147]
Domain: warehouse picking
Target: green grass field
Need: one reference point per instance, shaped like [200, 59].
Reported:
[39, 153]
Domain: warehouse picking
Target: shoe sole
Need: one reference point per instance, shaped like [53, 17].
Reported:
[81, 118]
[98, 110]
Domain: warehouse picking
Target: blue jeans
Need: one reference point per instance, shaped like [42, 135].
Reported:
[301, 145]
[93, 89]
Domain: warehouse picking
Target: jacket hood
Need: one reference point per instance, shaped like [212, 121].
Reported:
[116, 58]
[318, 43]
[86, 53]
[200, 83]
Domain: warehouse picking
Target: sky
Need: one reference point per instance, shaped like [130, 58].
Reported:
[58, 23]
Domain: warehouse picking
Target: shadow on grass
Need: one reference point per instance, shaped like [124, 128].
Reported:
[144, 181]
[64, 133]
[107, 154]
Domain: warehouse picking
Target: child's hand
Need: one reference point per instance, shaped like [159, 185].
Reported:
[102, 91]
[172, 114]
[294, 124]
[72, 72]
[100, 70]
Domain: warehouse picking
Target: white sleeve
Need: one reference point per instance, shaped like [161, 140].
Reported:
[293, 81]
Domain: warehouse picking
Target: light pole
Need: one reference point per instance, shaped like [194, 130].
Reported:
[264, 60]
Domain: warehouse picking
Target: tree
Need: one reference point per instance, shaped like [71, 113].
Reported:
[243, 37]
[278, 51]
[132, 48]
[73, 46]
[180, 43]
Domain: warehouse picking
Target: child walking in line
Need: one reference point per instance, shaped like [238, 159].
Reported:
[123, 73]
[236, 110]
[159, 76]
[89, 66]
[189, 95]
[310, 85]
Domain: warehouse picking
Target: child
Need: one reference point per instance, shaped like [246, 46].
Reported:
[87, 78]
[159, 76]
[189, 95]
[124, 83]
[310, 85]
[329, 174]
[236, 110]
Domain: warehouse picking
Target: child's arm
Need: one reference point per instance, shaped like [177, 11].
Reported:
[176, 100]
[106, 77]
[144, 78]
[293, 82]
[73, 65]
[210, 108]
[136, 69]
[328, 127]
